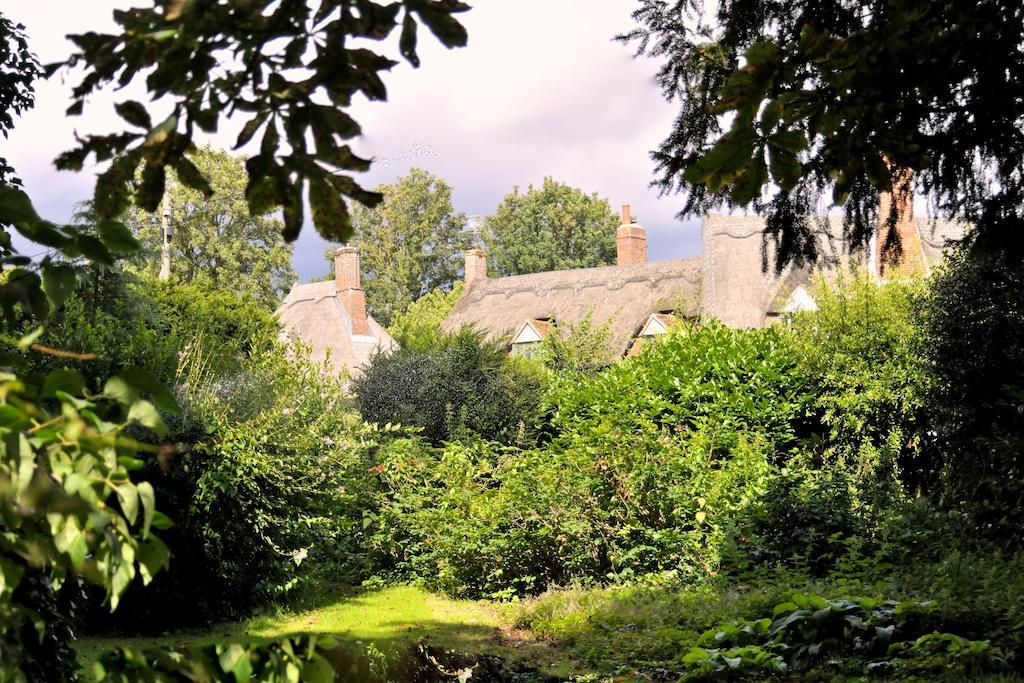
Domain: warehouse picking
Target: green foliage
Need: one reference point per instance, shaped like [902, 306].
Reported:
[68, 506]
[580, 350]
[289, 660]
[419, 327]
[841, 95]
[19, 69]
[114, 320]
[409, 245]
[463, 383]
[859, 352]
[800, 519]
[552, 227]
[31, 291]
[727, 384]
[295, 77]
[856, 636]
[973, 343]
[269, 496]
[648, 462]
[217, 243]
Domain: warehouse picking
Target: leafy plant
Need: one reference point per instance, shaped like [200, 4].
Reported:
[464, 383]
[419, 327]
[860, 636]
[69, 508]
[289, 660]
[290, 91]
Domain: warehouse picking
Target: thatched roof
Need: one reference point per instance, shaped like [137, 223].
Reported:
[624, 295]
[313, 314]
[739, 293]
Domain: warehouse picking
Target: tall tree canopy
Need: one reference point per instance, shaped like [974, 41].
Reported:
[18, 70]
[410, 244]
[216, 241]
[551, 227]
[782, 100]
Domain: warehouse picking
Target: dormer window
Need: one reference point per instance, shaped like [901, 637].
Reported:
[527, 341]
[653, 327]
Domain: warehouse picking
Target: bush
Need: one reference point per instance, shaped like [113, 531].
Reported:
[419, 327]
[800, 520]
[648, 462]
[973, 328]
[119, 320]
[464, 383]
[267, 492]
[858, 352]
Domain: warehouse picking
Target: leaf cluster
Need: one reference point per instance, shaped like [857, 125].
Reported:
[796, 99]
[292, 69]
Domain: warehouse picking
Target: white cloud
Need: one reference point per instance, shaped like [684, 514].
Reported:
[542, 89]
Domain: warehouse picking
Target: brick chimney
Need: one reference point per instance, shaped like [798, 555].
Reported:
[351, 295]
[909, 259]
[630, 240]
[476, 266]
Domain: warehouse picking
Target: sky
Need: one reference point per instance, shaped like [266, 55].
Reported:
[541, 90]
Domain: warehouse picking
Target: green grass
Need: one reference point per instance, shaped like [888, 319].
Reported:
[391, 619]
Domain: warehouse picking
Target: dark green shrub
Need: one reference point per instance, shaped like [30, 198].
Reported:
[799, 520]
[974, 346]
[462, 383]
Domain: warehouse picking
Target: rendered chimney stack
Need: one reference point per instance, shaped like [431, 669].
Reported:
[910, 258]
[476, 266]
[630, 240]
[351, 295]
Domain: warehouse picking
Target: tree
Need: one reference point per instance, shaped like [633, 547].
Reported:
[419, 327]
[18, 70]
[790, 99]
[409, 245]
[553, 227]
[217, 241]
[295, 68]
[463, 382]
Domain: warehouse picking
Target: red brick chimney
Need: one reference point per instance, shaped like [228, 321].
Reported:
[910, 259]
[476, 266]
[351, 295]
[630, 240]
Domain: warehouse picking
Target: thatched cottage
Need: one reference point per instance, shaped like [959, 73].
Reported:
[643, 299]
[330, 317]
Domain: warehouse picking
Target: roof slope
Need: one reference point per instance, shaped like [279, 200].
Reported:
[313, 314]
[739, 293]
[625, 295]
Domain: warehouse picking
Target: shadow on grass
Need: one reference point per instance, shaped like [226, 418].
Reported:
[397, 635]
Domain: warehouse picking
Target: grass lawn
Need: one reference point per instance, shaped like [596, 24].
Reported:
[391, 619]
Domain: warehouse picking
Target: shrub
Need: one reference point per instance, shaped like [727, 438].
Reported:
[580, 350]
[647, 463]
[799, 520]
[419, 327]
[464, 383]
[858, 352]
[121, 320]
[973, 328]
[269, 494]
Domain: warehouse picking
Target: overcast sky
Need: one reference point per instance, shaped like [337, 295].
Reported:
[542, 89]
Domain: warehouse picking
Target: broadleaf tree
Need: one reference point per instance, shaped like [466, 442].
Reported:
[290, 69]
[410, 244]
[781, 102]
[551, 227]
[217, 241]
